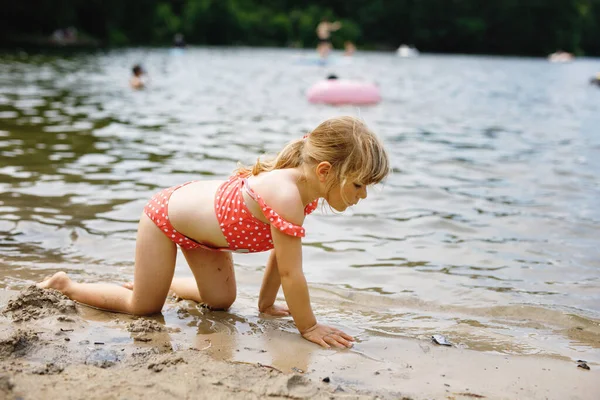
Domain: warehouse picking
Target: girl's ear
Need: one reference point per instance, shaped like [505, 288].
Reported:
[323, 170]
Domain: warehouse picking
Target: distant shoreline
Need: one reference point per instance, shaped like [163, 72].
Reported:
[41, 41]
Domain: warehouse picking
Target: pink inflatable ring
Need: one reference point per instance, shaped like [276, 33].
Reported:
[341, 91]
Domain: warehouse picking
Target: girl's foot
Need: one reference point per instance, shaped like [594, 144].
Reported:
[59, 281]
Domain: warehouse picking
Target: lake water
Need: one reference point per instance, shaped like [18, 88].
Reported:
[487, 231]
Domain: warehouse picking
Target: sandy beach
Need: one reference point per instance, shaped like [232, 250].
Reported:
[51, 347]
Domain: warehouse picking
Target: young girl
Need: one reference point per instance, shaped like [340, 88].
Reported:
[256, 209]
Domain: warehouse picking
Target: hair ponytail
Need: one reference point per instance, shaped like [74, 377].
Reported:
[291, 156]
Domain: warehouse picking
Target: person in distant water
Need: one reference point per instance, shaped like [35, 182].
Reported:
[324, 30]
[332, 77]
[65, 36]
[596, 79]
[137, 80]
[179, 41]
[349, 48]
[560, 56]
[258, 208]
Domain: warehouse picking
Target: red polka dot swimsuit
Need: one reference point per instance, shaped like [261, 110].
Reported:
[244, 232]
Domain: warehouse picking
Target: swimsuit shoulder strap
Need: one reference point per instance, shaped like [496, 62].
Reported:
[274, 218]
[311, 207]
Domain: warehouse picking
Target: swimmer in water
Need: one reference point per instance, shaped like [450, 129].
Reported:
[137, 81]
[324, 30]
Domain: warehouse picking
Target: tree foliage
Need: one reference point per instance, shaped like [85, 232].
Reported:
[531, 27]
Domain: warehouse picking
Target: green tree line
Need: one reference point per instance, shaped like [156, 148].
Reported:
[526, 27]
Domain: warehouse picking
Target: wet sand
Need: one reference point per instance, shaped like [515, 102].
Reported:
[51, 347]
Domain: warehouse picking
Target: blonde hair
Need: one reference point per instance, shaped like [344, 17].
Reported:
[353, 151]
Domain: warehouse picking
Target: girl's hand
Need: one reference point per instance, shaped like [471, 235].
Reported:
[327, 336]
[277, 311]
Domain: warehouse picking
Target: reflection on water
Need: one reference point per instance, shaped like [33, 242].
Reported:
[487, 231]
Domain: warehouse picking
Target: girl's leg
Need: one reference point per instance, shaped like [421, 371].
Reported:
[215, 278]
[155, 258]
[186, 288]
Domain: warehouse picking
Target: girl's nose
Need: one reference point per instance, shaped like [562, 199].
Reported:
[363, 192]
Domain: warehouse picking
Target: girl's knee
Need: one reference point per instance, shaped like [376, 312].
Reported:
[144, 310]
[223, 303]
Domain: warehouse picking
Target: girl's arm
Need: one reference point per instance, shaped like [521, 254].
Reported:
[268, 291]
[288, 252]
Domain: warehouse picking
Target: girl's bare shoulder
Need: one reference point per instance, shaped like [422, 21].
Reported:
[280, 191]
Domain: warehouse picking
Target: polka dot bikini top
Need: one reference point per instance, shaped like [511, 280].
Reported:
[244, 232]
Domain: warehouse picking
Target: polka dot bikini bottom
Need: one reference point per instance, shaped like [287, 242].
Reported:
[156, 210]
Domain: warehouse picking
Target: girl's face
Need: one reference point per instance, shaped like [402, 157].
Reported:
[353, 192]
[339, 197]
